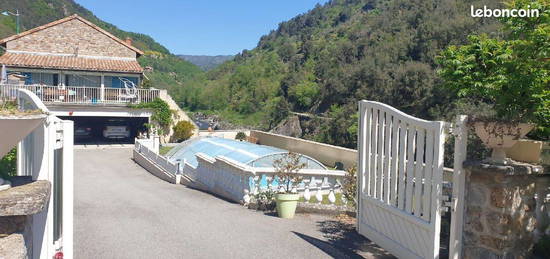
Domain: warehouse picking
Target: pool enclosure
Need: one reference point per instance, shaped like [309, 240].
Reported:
[238, 170]
[254, 155]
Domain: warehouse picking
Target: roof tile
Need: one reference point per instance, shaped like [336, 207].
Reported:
[70, 63]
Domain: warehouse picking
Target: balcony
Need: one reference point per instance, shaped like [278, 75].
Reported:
[82, 95]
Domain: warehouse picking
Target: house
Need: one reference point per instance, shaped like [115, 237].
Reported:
[82, 73]
[72, 52]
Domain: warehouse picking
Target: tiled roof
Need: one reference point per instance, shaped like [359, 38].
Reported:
[70, 63]
[68, 18]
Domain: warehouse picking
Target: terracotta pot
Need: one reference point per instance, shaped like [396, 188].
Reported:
[501, 135]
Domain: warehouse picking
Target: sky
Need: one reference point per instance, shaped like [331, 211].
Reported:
[200, 27]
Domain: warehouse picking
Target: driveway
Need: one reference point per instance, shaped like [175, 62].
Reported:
[122, 211]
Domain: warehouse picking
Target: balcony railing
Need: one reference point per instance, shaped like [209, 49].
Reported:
[83, 94]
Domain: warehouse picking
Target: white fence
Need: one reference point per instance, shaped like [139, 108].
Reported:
[82, 94]
[168, 169]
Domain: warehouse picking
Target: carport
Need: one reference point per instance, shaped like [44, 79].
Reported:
[91, 121]
[91, 128]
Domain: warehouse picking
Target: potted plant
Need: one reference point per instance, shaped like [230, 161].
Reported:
[287, 171]
[15, 124]
[511, 75]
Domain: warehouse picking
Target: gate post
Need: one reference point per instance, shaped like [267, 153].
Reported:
[460, 131]
[500, 218]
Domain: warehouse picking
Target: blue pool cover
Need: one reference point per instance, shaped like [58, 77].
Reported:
[247, 153]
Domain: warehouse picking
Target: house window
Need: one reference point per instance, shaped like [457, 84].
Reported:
[55, 79]
[28, 78]
[81, 80]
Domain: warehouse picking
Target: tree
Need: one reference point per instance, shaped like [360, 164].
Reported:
[512, 75]
[240, 136]
[287, 169]
[183, 131]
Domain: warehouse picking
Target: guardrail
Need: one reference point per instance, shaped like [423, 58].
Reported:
[168, 169]
[82, 94]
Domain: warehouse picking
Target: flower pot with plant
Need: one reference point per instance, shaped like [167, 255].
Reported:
[287, 171]
[511, 75]
[15, 124]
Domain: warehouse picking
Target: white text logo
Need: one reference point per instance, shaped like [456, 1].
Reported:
[486, 12]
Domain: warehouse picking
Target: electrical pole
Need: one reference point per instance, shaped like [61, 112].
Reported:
[16, 14]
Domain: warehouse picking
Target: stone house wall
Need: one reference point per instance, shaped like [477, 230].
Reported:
[71, 37]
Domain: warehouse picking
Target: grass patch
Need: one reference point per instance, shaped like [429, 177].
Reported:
[9, 108]
[164, 149]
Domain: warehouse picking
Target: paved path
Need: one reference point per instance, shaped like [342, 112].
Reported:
[122, 211]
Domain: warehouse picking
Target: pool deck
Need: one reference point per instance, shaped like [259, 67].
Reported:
[122, 211]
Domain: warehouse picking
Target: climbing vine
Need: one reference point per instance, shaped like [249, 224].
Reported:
[162, 115]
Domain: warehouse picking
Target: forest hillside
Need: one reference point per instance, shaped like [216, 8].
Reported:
[320, 63]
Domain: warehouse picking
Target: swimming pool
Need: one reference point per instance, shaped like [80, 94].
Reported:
[241, 151]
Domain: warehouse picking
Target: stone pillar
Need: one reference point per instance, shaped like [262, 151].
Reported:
[500, 218]
[17, 205]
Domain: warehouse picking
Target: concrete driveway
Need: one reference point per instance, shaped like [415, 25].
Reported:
[122, 211]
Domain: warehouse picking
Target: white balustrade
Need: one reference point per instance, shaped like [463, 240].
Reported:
[143, 147]
[80, 94]
[237, 181]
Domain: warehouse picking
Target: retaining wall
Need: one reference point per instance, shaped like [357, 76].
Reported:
[324, 153]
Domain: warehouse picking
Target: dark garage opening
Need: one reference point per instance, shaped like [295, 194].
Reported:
[106, 130]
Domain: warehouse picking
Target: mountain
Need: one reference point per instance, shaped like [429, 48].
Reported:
[169, 71]
[206, 62]
[322, 62]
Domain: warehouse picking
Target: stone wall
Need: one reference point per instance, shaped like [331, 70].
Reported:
[17, 204]
[179, 115]
[71, 37]
[500, 218]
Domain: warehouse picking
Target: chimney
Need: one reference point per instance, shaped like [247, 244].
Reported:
[128, 41]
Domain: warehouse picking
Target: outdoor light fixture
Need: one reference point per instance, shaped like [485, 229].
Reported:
[16, 14]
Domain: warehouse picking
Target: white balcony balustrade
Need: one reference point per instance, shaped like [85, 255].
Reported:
[82, 95]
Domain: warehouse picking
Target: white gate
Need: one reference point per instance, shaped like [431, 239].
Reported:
[400, 180]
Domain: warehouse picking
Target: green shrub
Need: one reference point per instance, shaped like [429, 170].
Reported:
[350, 186]
[8, 165]
[183, 131]
[240, 136]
